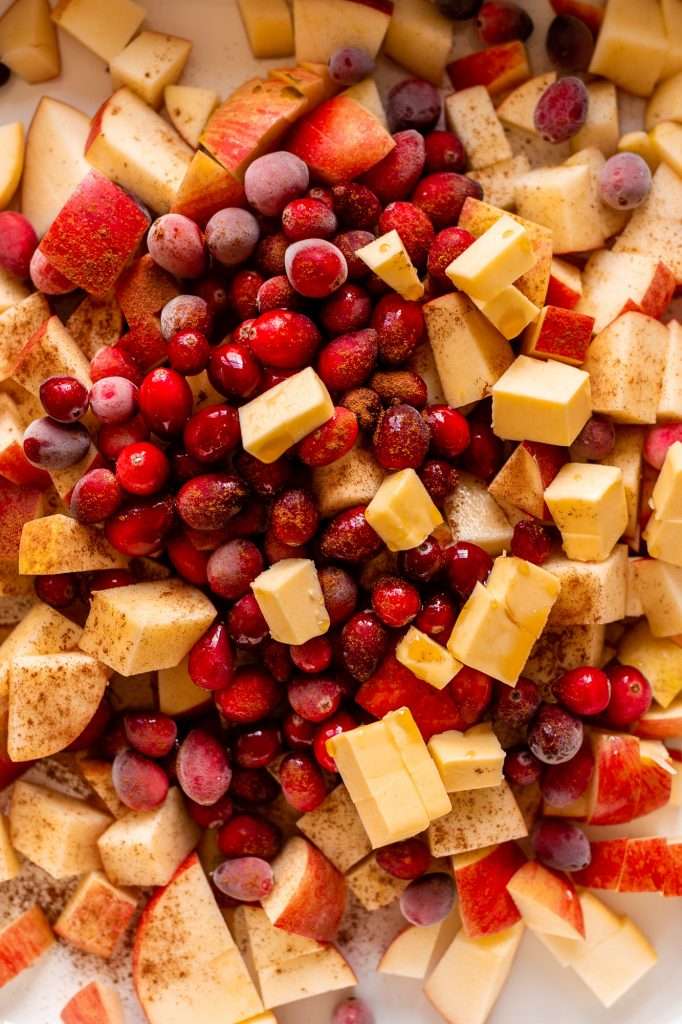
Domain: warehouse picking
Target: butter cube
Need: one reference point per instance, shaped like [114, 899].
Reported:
[541, 400]
[510, 311]
[351, 480]
[426, 659]
[418, 761]
[494, 261]
[402, 512]
[659, 588]
[469, 352]
[592, 593]
[666, 498]
[527, 591]
[57, 544]
[283, 415]
[290, 597]
[664, 539]
[484, 637]
[145, 626]
[389, 259]
[468, 760]
[588, 504]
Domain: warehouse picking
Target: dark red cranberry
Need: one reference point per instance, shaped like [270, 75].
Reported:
[243, 293]
[400, 328]
[522, 768]
[95, 497]
[515, 705]
[401, 387]
[211, 660]
[314, 656]
[555, 736]
[214, 293]
[308, 218]
[395, 601]
[245, 622]
[439, 479]
[114, 437]
[107, 579]
[141, 529]
[315, 698]
[302, 783]
[407, 859]
[485, 453]
[472, 692]
[256, 748]
[394, 177]
[414, 103]
[299, 733]
[233, 370]
[188, 352]
[401, 439]
[65, 399]
[531, 541]
[277, 660]
[366, 405]
[447, 246]
[275, 551]
[340, 593]
[449, 430]
[348, 537]
[152, 734]
[270, 254]
[284, 339]
[414, 227]
[253, 786]
[142, 468]
[437, 617]
[363, 645]
[207, 502]
[266, 479]
[342, 722]
[422, 563]
[212, 433]
[347, 361]
[585, 691]
[331, 441]
[251, 695]
[165, 401]
[348, 309]
[277, 293]
[444, 152]
[58, 591]
[441, 196]
[356, 206]
[349, 242]
[631, 696]
[467, 565]
[248, 836]
[501, 22]
[294, 517]
[112, 361]
[188, 561]
[212, 816]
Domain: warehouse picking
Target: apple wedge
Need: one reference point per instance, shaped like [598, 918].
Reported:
[336, 829]
[28, 41]
[372, 887]
[97, 774]
[96, 916]
[18, 324]
[95, 1003]
[606, 865]
[661, 723]
[9, 862]
[150, 62]
[340, 140]
[309, 896]
[12, 147]
[206, 188]
[419, 38]
[323, 26]
[105, 36]
[95, 323]
[614, 790]
[415, 951]
[22, 942]
[268, 26]
[547, 901]
[517, 110]
[189, 108]
[481, 878]
[186, 965]
[57, 544]
[12, 290]
[565, 287]
[480, 817]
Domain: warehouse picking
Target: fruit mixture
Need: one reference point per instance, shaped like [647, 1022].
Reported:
[341, 502]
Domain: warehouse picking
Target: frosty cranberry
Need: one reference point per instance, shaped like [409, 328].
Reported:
[165, 401]
[294, 517]
[485, 453]
[467, 565]
[400, 386]
[52, 445]
[140, 784]
[140, 529]
[365, 404]
[439, 479]
[253, 786]
[414, 103]
[408, 859]
[308, 218]
[315, 267]
[275, 551]
[356, 206]
[245, 835]
[502, 22]
[561, 845]
[114, 399]
[251, 695]
[395, 176]
[233, 567]
[400, 328]
[401, 438]
[185, 313]
[247, 879]
[624, 181]
[342, 722]
[631, 696]
[210, 664]
[233, 371]
[95, 497]
[212, 433]
[277, 293]
[349, 242]
[270, 254]
[428, 900]
[232, 235]
[531, 541]
[142, 468]
[348, 537]
[207, 502]
[18, 242]
[395, 601]
[522, 768]
[188, 352]
[299, 734]
[315, 698]
[561, 111]
[203, 768]
[413, 226]
[554, 735]
[348, 309]
[347, 361]
[266, 479]
[437, 617]
[302, 783]
[112, 361]
[331, 441]
[150, 734]
[340, 593]
[444, 152]
[515, 705]
[64, 399]
[353, 1011]
[441, 196]
[363, 645]
[273, 180]
[284, 339]
[176, 243]
[58, 591]
[564, 783]
[585, 691]
[187, 560]
[447, 246]
[350, 64]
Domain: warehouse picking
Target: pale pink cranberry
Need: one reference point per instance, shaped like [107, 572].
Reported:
[428, 900]
[273, 180]
[233, 567]
[353, 1011]
[247, 879]
[561, 845]
[203, 768]
[177, 244]
[554, 735]
[114, 399]
[140, 784]
[315, 268]
[185, 313]
[52, 445]
[232, 235]
[149, 733]
[315, 698]
[563, 783]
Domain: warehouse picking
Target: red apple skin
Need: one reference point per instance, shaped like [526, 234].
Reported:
[15, 467]
[659, 728]
[655, 787]
[22, 942]
[201, 194]
[589, 11]
[485, 905]
[19, 506]
[385, 6]
[95, 234]
[89, 1007]
[549, 458]
[553, 889]
[393, 686]
[606, 867]
[559, 294]
[317, 905]
[672, 883]
[144, 289]
[340, 140]
[657, 297]
[564, 335]
[645, 866]
[497, 68]
[614, 794]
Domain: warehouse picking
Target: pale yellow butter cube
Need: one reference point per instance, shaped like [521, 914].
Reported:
[484, 637]
[283, 415]
[290, 597]
[527, 591]
[509, 311]
[402, 512]
[468, 760]
[658, 586]
[418, 761]
[664, 539]
[269, 27]
[496, 259]
[105, 31]
[149, 63]
[541, 400]
[666, 498]
[588, 504]
[394, 813]
[389, 259]
[363, 756]
[426, 659]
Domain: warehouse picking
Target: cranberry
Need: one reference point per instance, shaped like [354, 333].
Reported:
[256, 748]
[395, 176]
[349, 309]
[422, 563]
[142, 468]
[211, 661]
[299, 733]
[302, 783]
[437, 617]
[247, 835]
[554, 735]
[400, 387]
[522, 768]
[467, 565]
[233, 567]
[408, 859]
[188, 352]
[95, 497]
[449, 430]
[342, 722]
[308, 218]
[165, 401]
[413, 226]
[428, 900]
[187, 560]
[140, 529]
[331, 441]
[564, 783]
[108, 579]
[561, 111]
[212, 815]
[315, 698]
[485, 453]
[275, 551]
[18, 238]
[114, 437]
[145, 343]
[515, 705]
[270, 254]
[284, 339]
[233, 371]
[585, 691]
[186, 313]
[348, 537]
[140, 784]
[401, 438]
[315, 268]
[441, 196]
[266, 479]
[400, 327]
[356, 206]
[253, 786]
[294, 517]
[65, 399]
[52, 445]
[561, 845]
[501, 22]
[207, 502]
[277, 293]
[630, 696]
[251, 695]
[447, 246]
[203, 768]
[251, 519]
[395, 601]
[444, 152]
[151, 734]
[243, 293]
[58, 591]
[414, 103]
[340, 593]
[212, 433]
[214, 293]
[112, 361]
[347, 361]
[277, 660]
[353, 1011]
[349, 242]
[531, 541]
[244, 879]
[363, 645]
[366, 405]
[439, 479]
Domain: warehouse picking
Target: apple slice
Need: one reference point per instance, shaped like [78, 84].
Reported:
[659, 658]
[12, 290]
[268, 26]
[22, 942]
[189, 108]
[661, 723]
[419, 38]
[177, 694]
[613, 966]
[186, 965]
[656, 774]
[615, 786]
[498, 68]
[28, 41]
[18, 324]
[340, 140]
[11, 160]
[600, 924]
[615, 282]
[525, 476]
[309, 896]
[97, 774]
[672, 884]
[104, 36]
[150, 63]
[206, 188]
[323, 26]
[96, 916]
[95, 1003]
[547, 901]
[565, 287]
[416, 950]
[645, 866]
[561, 334]
[606, 865]
[95, 324]
[479, 817]
[367, 94]
[336, 829]
[19, 505]
[481, 878]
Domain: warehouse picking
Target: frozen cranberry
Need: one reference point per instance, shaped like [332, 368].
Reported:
[356, 206]
[45, 277]
[294, 517]
[315, 268]
[395, 176]
[246, 879]
[449, 430]
[658, 439]
[413, 226]
[211, 660]
[233, 371]
[564, 783]
[569, 43]
[447, 246]
[177, 244]
[253, 786]
[467, 565]
[561, 845]
[395, 601]
[302, 783]
[114, 437]
[585, 691]
[595, 441]
[64, 399]
[277, 293]
[349, 242]
[347, 361]
[437, 617]
[251, 695]
[52, 445]
[247, 835]
[444, 152]
[270, 254]
[187, 560]
[400, 328]
[114, 399]
[140, 529]
[439, 479]
[165, 401]
[331, 441]
[212, 815]
[631, 696]
[284, 339]
[58, 591]
[515, 705]
[256, 748]
[18, 242]
[422, 563]
[203, 768]
[232, 235]
[441, 196]
[315, 698]
[521, 767]
[233, 567]
[266, 479]
[299, 733]
[243, 293]
[95, 497]
[150, 734]
[185, 313]
[366, 405]
[408, 859]
[308, 218]
[349, 309]
[348, 537]
[273, 180]
[340, 593]
[363, 644]
[531, 541]
[188, 352]
[554, 735]
[342, 722]
[485, 453]
[400, 386]
[561, 111]
[212, 433]
[353, 1011]
[207, 502]
[428, 900]
[401, 438]
[112, 361]
[275, 551]
[142, 468]
[414, 103]
[140, 784]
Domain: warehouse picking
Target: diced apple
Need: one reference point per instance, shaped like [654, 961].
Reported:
[480, 817]
[615, 283]
[143, 289]
[323, 26]
[547, 900]
[28, 41]
[666, 102]
[498, 68]
[309, 896]
[627, 456]
[561, 334]
[372, 887]
[12, 149]
[14, 466]
[471, 115]
[654, 227]
[615, 785]
[656, 774]
[606, 865]
[104, 36]
[315, 84]
[612, 221]
[9, 862]
[670, 401]
[524, 477]
[352, 480]
[565, 285]
[95, 1003]
[612, 967]
[660, 659]
[177, 694]
[268, 27]
[499, 180]
[639, 142]
[416, 950]
[12, 290]
[419, 38]
[633, 339]
[367, 94]
[631, 47]
[189, 108]
[22, 942]
[50, 350]
[472, 513]
[659, 588]
[672, 884]
[481, 878]
[18, 325]
[644, 866]
[592, 593]
[150, 63]
[95, 324]
[57, 544]
[563, 200]
[15, 598]
[96, 916]
[667, 141]
[602, 128]
[661, 723]
[517, 110]
[19, 505]
[97, 774]
[336, 829]
[206, 188]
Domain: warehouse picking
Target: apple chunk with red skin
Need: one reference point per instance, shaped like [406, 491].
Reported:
[14, 466]
[660, 723]
[547, 900]
[645, 865]
[526, 475]
[498, 68]
[95, 234]
[309, 895]
[341, 140]
[19, 505]
[606, 866]
[561, 334]
[22, 942]
[656, 773]
[481, 877]
[565, 285]
[96, 1003]
[393, 686]
[143, 289]
[206, 188]
[96, 916]
[615, 786]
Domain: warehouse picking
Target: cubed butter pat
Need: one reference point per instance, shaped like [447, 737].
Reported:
[389, 259]
[666, 498]
[484, 637]
[468, 760]
[495, 260]
[418, 762]
[509, 311]
[527, 591]
[427, 659]
[402, 512]
[538, 400]
[588, 504]
[290, 597]
[283, 415]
